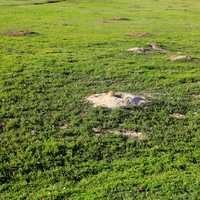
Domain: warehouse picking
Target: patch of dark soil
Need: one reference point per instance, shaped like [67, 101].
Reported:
[20, 33]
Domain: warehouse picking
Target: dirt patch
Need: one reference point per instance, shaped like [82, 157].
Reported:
[115, 99]
[120, 19]
[178, 116]
[138, 50]
[132, 135]
[196, 95]
[115, 19]
[138, 34]
[20, 33]
[48, 1]
[151, 47]
[157, 47]
[124, 133]
[98, 131]
[180, 58]
[64, 126]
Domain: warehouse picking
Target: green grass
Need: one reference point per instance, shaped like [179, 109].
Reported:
[45, 78]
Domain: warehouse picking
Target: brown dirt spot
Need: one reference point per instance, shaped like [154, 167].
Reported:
[115, 99]
[141, 189]
[120, 19]
[138, 34]
[178, 116]
[124, 133]
[48, 1]
[20, 33]
[116, 19]
[64, 126]
[131, 134]
[196, 95]
[98, 131]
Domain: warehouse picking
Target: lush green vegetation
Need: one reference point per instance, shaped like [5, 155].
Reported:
[45, 78]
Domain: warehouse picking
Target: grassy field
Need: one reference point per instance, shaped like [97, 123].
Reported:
[81, 50]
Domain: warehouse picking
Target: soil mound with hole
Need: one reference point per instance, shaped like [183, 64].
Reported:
[115, 99]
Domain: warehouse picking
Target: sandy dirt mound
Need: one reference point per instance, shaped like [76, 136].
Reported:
[138, 50]
[20, 33]
[157, 47]
[115, 99]
[178, 116]
[150, 48]
[131, 134]
[124, 133]
[181, 58]
[196, 95]
[64, 126]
